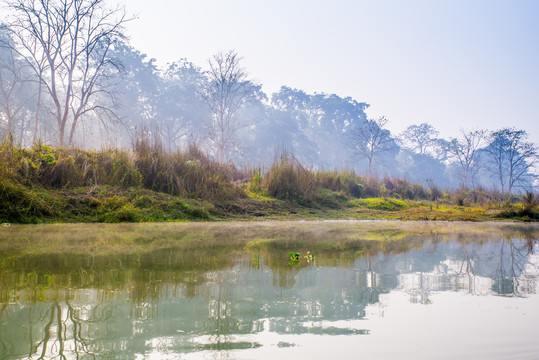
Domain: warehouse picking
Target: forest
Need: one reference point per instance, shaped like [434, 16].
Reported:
[87, 116]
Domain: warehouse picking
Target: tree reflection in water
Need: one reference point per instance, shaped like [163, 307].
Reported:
[214, 299]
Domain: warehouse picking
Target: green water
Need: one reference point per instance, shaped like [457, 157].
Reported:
[230, 291]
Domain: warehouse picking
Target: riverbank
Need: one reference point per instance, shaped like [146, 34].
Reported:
[54, 185]
[106, 204]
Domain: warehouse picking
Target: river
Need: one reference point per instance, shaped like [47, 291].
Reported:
[270, 290]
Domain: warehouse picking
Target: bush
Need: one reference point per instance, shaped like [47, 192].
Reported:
[385, 204]
[18, 204]
[356, 190]
[529, 203]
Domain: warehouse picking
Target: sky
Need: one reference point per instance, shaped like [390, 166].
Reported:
[456, 64]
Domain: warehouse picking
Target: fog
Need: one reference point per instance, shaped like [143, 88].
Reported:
[112, 93]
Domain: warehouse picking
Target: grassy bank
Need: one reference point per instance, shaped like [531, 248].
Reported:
[46, 184]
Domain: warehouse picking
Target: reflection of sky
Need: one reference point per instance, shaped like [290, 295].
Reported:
[313, 312]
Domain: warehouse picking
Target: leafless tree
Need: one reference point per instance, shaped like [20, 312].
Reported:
[67, 43]
[465, 151]
[370, 139]
[512, 157]
[228, 89]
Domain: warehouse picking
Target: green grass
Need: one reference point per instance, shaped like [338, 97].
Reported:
[385, 204]
[23, 204]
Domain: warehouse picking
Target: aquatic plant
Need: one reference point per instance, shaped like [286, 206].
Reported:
[295, 258]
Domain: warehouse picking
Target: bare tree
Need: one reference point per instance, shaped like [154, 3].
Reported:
[512, 157]
[228, 89]
[370, 139]
[67, 43]
[465, 151]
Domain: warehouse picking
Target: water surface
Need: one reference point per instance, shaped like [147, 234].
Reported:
[231, 291]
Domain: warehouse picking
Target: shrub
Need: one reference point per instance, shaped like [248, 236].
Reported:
[385, 204]
[529, 203]
[19, 204]
[356, 190]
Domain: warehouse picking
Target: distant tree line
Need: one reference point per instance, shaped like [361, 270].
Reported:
[69, 77]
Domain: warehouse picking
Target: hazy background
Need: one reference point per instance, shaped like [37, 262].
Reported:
[454, 64]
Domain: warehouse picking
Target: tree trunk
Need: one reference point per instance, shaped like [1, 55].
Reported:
[38, 109]
[221, 154]
[72, 132]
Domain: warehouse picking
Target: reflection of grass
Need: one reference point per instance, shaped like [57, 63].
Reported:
[391, 234]
[109, 239]
[44, 257]
[257, 244]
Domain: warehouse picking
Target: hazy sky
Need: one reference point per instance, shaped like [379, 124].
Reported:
[454, 63]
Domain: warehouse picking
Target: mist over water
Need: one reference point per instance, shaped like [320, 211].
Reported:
[465, 289]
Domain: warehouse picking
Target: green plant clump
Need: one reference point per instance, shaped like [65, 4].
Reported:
[385, 204]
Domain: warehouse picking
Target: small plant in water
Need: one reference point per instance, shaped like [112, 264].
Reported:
[309, 256]
[295, 257]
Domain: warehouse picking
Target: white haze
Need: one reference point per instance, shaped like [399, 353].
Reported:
[455, 64]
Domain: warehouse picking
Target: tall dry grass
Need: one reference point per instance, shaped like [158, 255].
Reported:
[288, 180]
[188, 173]
[191, 173]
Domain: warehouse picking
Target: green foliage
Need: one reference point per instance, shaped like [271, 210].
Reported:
[385, 204]
[295, 258]
[144, 202]
[256, 183]
[356, 190]
[529, 202]
[126, 213]
[525, 211]
[328, 199]
[18, 204]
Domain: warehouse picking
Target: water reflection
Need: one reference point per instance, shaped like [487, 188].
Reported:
[222, 300]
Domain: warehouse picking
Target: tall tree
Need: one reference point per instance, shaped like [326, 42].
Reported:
[324, 119]
[465, 151]
[67, 43]
[15, 89]
[369, 140]
[419, 138]
[137, 85]
[512, 157]
[182, 113]
[227, 90]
